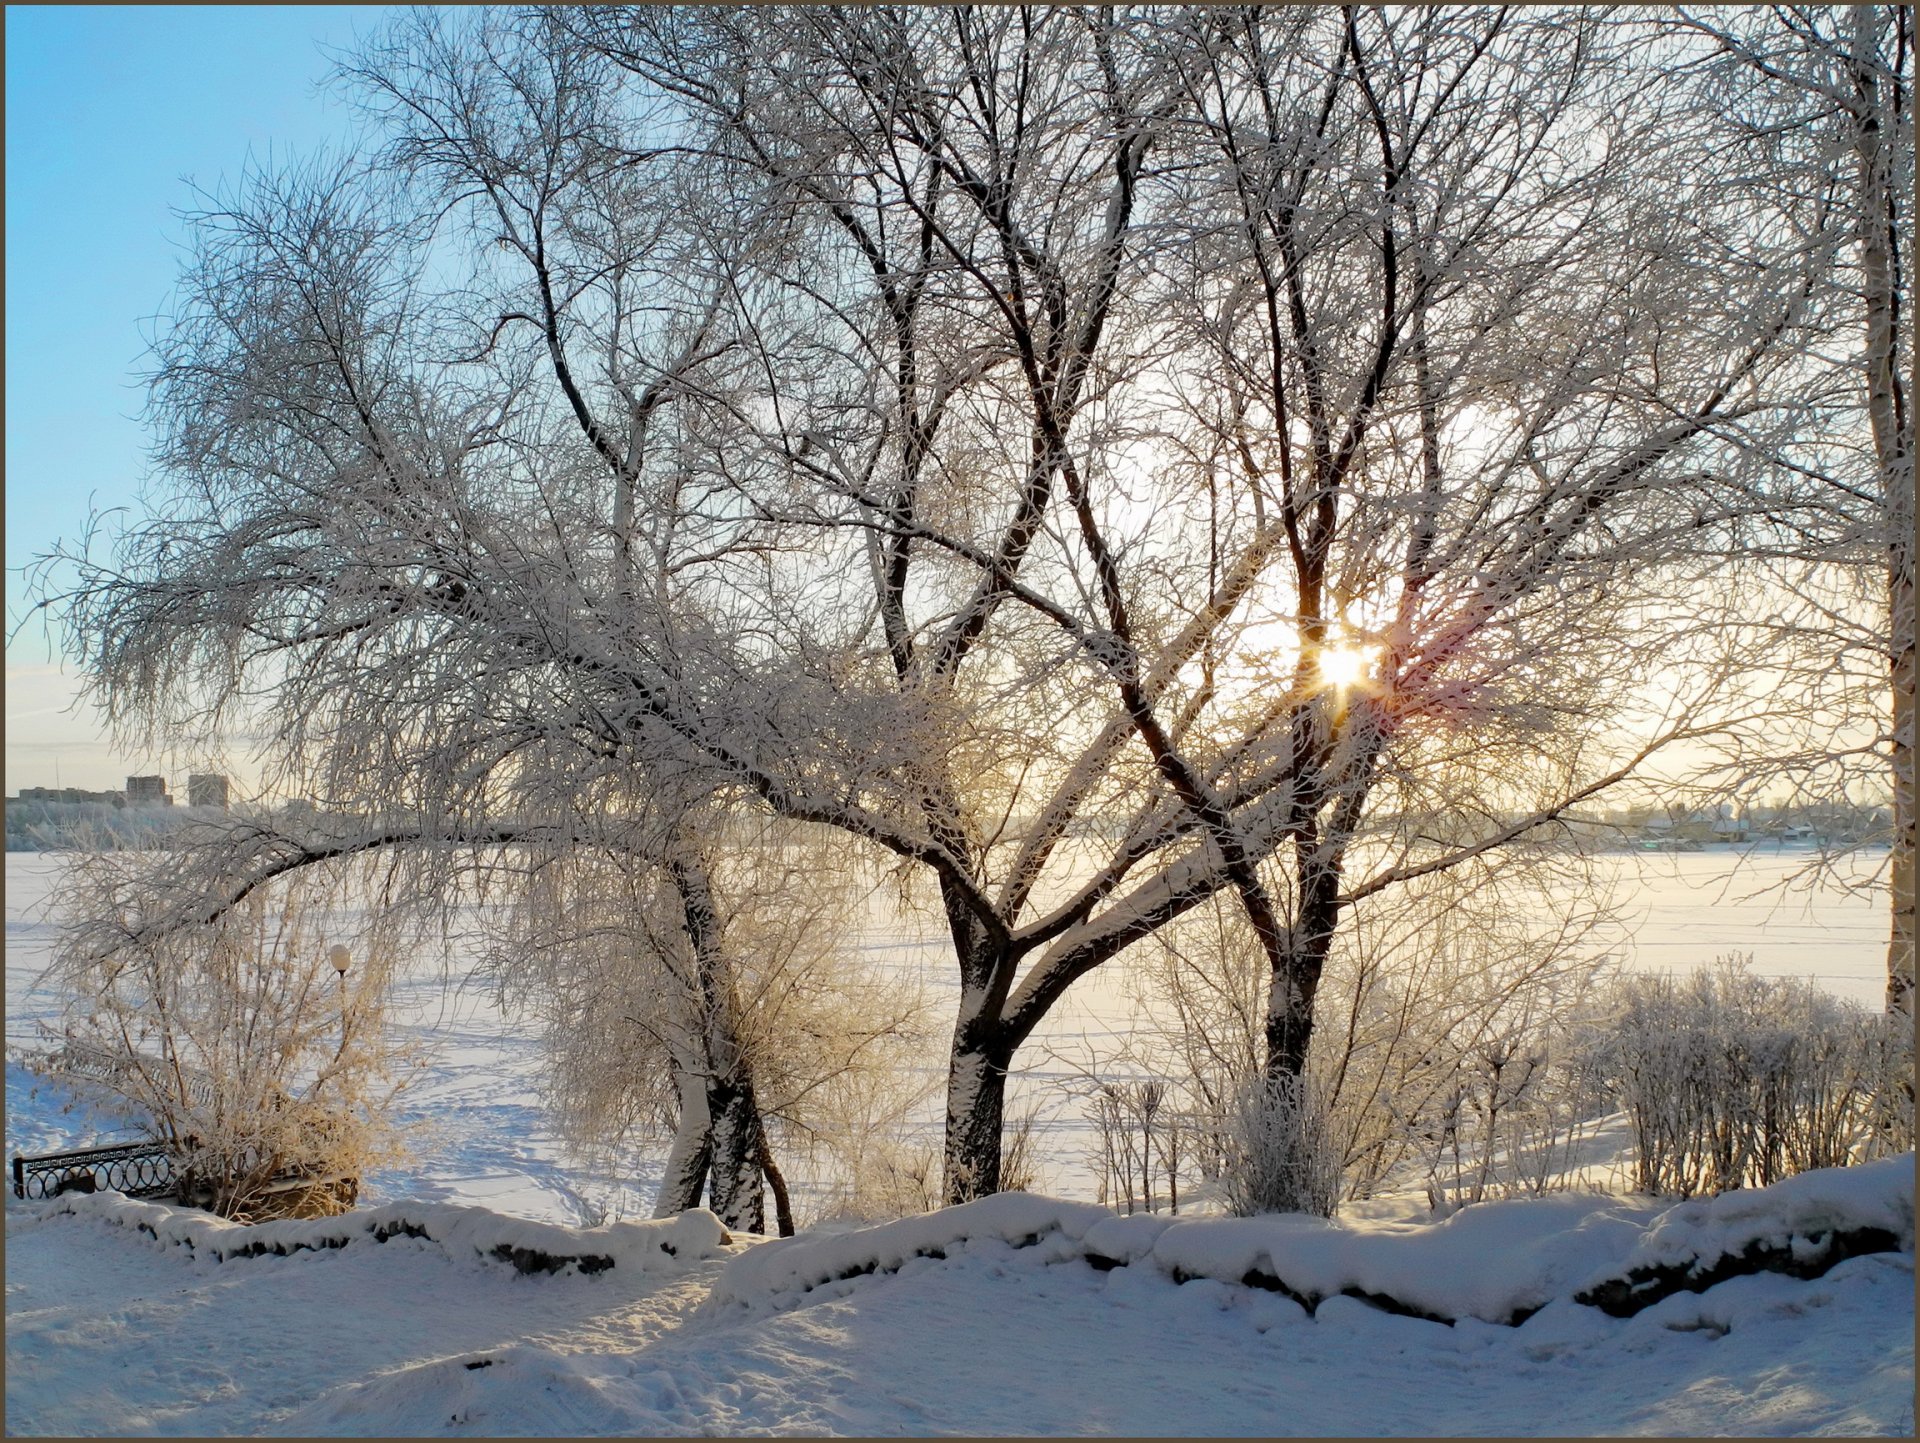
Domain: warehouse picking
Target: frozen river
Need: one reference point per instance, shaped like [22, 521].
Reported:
[483, 1136]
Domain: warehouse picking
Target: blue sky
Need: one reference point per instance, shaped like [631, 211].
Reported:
[110, 111]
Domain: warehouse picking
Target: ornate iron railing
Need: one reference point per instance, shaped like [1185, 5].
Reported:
[83, 1060]
[138, 1169]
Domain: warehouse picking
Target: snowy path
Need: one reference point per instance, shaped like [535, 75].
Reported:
[109, 1332]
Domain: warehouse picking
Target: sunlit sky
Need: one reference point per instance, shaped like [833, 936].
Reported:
[111, 111]
[113, 115]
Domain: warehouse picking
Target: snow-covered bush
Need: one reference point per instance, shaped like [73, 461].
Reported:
[1445, 1051]
[891, 1177]
[1280, 1154]
[1733, 1080]
[234, 1041]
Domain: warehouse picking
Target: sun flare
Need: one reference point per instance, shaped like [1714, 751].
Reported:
[1346, 665]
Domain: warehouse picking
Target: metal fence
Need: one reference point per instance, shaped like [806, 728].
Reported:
[138, 1169]
[113, 1069]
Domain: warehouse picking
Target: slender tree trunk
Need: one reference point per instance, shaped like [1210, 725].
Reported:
[777, 1183]
[735, 1130]
[1878, 101]
[1295, 984]
[1900, 942]
[1321, 862]
[692, 1150]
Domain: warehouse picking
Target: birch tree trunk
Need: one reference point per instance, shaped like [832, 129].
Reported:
[1877, 111]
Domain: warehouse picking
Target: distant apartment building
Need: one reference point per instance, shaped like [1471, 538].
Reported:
[148, 792]
[69, 795]
[207, 789]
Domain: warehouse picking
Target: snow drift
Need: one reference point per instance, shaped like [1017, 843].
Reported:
[1498, 1262]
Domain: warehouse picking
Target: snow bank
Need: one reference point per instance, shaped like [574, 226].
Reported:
[462, 1231]
[1490, 1262]
[1802, 1226]
[1835, 1199]
[1497, 1262]
[772, 1274]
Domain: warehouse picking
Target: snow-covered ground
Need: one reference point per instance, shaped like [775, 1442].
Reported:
[987, 1319]
[980, 1320]
[480, 1135]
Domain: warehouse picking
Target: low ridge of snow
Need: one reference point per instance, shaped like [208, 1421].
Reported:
[1488, 1262]
[651, 1246]
[1492, 1262]
[1834, 1199]
[776, 1272]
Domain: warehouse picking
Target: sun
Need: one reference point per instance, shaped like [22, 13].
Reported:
[1344, 666]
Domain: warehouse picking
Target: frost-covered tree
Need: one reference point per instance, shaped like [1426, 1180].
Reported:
[365, 533]
[1362, 366]
[1819, 98]
[1107, 460]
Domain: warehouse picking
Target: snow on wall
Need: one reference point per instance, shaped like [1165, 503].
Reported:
[774, 1274]
[1495, 1261]
[1834, 1199]
[651, 1246]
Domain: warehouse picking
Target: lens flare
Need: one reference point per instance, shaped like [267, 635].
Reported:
[1345, 665]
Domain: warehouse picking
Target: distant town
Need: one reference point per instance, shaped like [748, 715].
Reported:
[51, 819]
[54, 819]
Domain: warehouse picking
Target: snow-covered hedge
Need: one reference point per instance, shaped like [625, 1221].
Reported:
[1497, 1261]
[462, 1231]
[1734, 1080]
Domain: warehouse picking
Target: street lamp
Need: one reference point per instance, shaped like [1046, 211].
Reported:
[341, 960]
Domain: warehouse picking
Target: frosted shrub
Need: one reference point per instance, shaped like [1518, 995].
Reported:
[1020, 1152]
[234, 1041]
[890, 1177]
[1444, 1054]
[1279, 1155]
[1511, 1119]
[1733, 1080]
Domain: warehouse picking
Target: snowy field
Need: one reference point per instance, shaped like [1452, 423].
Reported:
[116, 1325]
[480, 1136]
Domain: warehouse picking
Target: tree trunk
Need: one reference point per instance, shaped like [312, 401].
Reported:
[734, 1181]
[1309, 942]
[1900, 941]
[735, 1131]
[976, 1106]
[1291, 991]
[1876, 131]
[777, 1182]
[692, 1151]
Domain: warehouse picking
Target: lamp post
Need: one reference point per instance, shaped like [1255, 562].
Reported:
[341, 960]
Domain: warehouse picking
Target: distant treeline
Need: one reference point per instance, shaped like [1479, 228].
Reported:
[37, 826]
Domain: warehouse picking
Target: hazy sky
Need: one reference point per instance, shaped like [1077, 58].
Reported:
[111, 111]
